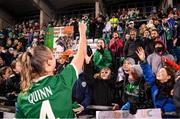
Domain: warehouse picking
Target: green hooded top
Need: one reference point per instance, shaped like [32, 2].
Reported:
[102, 60]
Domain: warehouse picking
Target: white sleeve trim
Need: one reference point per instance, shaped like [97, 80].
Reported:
[74, 66]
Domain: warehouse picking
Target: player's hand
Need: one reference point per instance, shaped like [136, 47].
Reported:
[82, 27]
[79, 109]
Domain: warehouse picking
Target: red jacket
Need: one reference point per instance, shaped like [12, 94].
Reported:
[114, 46]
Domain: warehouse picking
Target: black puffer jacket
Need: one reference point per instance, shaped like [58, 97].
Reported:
[12, 86]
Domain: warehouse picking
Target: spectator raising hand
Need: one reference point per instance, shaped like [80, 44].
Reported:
[161, 85]
[141, 54]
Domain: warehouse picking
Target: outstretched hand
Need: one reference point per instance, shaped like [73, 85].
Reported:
[82, 27]
[141, 54]
[78, 60]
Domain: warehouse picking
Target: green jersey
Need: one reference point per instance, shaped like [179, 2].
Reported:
[50, 97]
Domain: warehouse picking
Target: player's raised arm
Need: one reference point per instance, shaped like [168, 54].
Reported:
[78, 60]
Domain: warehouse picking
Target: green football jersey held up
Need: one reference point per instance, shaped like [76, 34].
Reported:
[49, 97]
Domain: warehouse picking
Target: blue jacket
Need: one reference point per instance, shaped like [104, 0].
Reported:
[166, 103]
[81, 91]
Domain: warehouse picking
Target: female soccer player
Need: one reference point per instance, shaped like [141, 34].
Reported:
[44, 95]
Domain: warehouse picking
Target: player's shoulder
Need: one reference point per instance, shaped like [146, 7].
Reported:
[69, 67]
[22, 96]
[69, 71]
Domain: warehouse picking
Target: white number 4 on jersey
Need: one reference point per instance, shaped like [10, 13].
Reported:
[46, 110]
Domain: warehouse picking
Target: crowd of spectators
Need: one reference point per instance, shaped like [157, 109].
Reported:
[116, 74]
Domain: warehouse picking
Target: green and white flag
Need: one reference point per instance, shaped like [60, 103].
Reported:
[52, 35]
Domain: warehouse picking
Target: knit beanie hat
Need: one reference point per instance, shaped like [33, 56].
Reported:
[130, 60]
[138, 70]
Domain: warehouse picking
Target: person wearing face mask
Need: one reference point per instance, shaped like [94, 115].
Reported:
[154, 36]
[155, 59]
